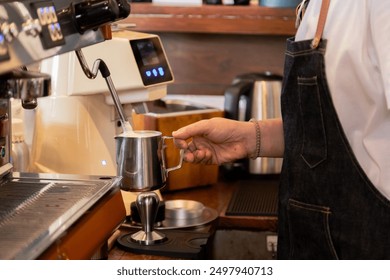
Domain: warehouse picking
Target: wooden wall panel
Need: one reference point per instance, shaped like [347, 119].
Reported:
[207, 63]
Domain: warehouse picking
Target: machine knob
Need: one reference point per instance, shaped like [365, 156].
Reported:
[95, 13]
[32, 27]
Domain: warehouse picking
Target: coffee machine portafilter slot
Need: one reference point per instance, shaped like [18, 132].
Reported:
[27, 86]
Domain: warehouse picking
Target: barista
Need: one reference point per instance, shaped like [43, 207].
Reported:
[334, 134]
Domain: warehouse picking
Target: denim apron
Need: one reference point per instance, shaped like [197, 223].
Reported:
[328, 208]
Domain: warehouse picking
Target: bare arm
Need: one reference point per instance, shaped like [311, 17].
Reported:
[272, 138]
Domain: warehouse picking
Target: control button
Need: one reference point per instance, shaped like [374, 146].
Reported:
[161, 71]
[9, 30]
[32, 27]
[3, 48]
[41, 15]
[53, 14]
[45, 15]
[55, 32]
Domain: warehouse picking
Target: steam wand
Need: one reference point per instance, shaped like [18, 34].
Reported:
[99, 64]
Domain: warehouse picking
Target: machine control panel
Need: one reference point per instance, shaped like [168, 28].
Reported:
[151, 61]
[48, 25]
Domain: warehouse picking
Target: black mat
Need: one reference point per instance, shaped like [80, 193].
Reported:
[179, 244]
[254, 198]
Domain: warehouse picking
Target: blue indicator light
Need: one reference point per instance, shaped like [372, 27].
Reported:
[161, 71]
[154, 72]
[1, 39]
[148, 73]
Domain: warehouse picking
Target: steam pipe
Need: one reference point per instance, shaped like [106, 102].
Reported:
[99, 64]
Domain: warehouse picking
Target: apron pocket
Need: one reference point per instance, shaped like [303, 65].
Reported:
[309, 232]
[314, 148]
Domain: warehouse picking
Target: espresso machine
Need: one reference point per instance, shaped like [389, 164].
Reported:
[51, 215]
[85, 114]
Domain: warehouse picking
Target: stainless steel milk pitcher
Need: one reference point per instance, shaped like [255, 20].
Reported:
[141, 160]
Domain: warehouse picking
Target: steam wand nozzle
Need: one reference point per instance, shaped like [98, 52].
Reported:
[99, 64]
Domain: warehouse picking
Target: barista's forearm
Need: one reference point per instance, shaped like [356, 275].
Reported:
[272, 138]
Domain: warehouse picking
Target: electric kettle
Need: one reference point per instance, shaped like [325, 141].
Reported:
[255, 95]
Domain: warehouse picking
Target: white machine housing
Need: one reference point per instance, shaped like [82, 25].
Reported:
[130, 57]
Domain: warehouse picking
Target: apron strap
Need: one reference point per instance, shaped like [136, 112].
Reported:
[321, 23]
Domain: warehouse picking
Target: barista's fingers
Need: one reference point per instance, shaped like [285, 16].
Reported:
[207, 158]
[202, 156]
[191, 147]
[198, 156]
[189, 153]
[181, 144]
[189, 157]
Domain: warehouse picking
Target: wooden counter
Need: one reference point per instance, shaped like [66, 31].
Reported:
[216, 196]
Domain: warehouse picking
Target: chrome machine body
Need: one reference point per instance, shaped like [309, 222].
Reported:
[38, 210]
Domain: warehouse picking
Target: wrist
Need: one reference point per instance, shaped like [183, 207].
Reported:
[257, 150]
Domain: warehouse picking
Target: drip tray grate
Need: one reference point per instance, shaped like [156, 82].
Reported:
[254, 198]
[35, 212]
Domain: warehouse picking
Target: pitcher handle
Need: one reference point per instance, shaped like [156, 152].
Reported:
[167, 170]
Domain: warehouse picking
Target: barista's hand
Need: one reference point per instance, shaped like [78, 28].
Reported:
[216, 141]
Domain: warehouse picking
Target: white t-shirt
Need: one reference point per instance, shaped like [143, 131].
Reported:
[357, 62]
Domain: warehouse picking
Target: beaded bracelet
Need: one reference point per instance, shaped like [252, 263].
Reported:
[258, 138]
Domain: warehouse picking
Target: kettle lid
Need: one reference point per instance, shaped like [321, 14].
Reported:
[257, 76]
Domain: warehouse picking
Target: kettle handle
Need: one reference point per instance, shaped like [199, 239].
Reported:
[232, 97]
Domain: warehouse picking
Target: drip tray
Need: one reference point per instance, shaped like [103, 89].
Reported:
[254, 198]
[36, 209]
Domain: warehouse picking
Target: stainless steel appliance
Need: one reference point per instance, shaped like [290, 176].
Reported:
[50, 215]
[255, 95]
[279, 3]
